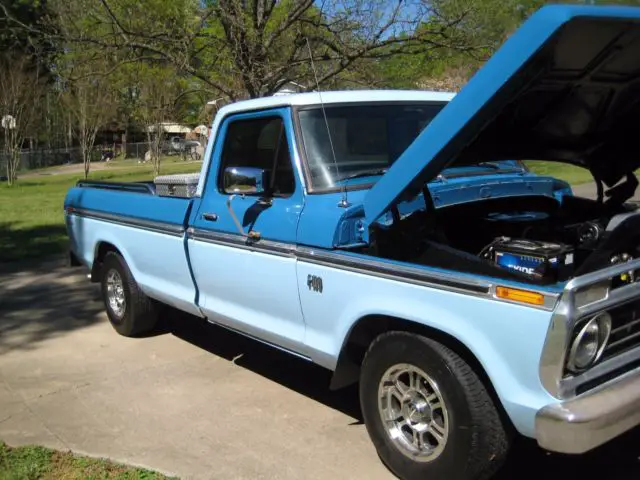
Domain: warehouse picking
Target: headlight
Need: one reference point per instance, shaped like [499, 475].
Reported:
[589, 343]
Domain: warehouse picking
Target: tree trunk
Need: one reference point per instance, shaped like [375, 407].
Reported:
[12, 148]
[155, 156]
[9, 170]
[86, 154]
[69, 136]
[149, 144]
[5, 151]
[86, 160]
[12, 166]
[124, 143]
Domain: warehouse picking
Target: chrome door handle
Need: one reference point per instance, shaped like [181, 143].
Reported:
[211, 217]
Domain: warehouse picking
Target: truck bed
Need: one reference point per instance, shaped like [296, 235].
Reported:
[148, 229]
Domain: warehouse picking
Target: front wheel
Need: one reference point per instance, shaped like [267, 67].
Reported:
[427, 412]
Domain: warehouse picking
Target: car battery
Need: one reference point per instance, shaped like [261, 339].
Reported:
[541, 260]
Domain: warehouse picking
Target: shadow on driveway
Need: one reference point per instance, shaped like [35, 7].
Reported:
[618, 460]
[42, 300]
[283, 368]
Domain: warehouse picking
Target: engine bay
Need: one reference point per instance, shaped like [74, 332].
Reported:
[532, 239]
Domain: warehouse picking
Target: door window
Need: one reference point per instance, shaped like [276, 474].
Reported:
[260, 143]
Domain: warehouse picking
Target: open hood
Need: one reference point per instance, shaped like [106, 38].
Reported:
[565, 87]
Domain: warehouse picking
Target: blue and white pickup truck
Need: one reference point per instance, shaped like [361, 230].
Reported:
[395, 238]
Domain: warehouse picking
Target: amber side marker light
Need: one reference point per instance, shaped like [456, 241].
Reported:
[521, 296]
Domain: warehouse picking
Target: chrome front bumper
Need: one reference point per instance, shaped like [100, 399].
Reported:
[578, 425]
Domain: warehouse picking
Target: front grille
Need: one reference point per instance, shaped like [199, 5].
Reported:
[625, 329]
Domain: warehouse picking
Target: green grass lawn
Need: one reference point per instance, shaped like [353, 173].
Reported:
[569, 173]
[31, 213]
[35, 463]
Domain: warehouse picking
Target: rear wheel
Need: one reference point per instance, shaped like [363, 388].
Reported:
[427, 412]
[130, 311]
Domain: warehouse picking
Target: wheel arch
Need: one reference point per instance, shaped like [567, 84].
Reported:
[101, 249]
[367, 328]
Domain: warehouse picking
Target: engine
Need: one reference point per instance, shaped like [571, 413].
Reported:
[529, 238]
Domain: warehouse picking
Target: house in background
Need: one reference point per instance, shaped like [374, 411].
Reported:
[171, 129]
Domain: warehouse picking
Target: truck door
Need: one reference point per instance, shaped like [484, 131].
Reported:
[244, 267]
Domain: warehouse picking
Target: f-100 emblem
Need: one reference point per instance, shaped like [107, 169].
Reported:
[314, 283]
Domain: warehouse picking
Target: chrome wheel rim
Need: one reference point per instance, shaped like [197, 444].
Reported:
[413, 412]
[115, 293]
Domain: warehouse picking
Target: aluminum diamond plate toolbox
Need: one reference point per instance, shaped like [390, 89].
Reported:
[180, 185]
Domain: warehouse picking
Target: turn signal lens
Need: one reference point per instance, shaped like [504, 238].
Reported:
[521, 296]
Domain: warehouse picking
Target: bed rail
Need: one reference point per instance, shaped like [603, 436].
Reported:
[137, 187]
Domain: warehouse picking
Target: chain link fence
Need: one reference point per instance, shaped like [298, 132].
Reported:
[42, 158]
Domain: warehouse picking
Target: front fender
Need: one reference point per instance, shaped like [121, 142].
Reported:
[506, 339]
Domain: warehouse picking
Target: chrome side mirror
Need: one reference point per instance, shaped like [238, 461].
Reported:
[244, 180]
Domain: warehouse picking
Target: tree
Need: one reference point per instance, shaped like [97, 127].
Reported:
[20, 91]
[484, 25]
[18, 20]
[251, 48]
[89, 98]
[159, 94]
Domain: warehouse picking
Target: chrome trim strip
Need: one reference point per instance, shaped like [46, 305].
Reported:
[416, 276]
[234, 240]
[563, 321]
[394, 272]
[151, 225]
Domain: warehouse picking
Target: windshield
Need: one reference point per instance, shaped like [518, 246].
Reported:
[367, 139]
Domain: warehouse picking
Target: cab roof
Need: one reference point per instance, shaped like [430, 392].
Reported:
[332, 97]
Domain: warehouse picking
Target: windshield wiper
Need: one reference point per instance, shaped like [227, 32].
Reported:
[495, 166]
[365, 173]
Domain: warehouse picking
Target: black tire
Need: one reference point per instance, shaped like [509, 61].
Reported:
[477, 441]
[139, 314]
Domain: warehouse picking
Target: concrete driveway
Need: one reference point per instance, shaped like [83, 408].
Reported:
[197, 402]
